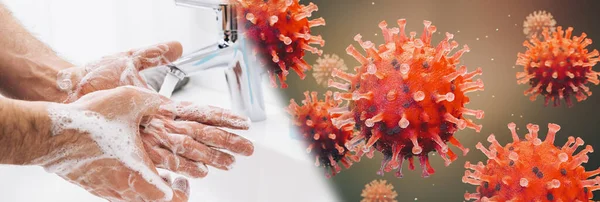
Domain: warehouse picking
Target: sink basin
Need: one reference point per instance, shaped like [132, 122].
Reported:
[279, 170]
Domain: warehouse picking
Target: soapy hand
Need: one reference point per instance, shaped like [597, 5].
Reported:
[110, 158]
[106, 155]
[121, 69]
[184, 138]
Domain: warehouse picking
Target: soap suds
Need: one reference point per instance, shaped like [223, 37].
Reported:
[116, 139]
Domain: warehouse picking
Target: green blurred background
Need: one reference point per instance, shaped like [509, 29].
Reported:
[494, 32]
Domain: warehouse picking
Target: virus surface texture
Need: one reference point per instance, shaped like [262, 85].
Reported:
[325, 65]
[532, 169]
[280, 31]
[536, 22]
[407, 98]
[558, 67]
[325, 142]
[379, 191]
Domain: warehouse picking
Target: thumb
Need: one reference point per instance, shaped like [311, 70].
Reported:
[181, 190]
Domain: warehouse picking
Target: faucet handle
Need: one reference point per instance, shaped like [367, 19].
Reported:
[213, 4]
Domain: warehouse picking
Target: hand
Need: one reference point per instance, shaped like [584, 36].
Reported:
[111, 159]
[163, 135]
[105, 154]
[184, 138]
[121, 69]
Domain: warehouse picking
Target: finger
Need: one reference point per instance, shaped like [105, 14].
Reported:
[212, 136]
[209, 115]
[149, 187]
[181, 190]
[170, 161]
[156, 55]
[189, 148]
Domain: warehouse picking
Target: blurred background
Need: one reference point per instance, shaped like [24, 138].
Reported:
[494, 32]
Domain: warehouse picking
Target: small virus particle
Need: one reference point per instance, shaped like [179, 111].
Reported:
[325, 142]
[558, 67]
[532, 169]
[379, 191]
[281, 33]
[536, 22]
[407, 99]
[325, 65]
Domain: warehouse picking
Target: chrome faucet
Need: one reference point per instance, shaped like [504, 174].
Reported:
[229, 53]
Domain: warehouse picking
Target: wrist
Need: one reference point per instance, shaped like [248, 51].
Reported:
[33, 77]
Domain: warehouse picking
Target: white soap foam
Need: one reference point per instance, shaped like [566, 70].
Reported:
[116, 138]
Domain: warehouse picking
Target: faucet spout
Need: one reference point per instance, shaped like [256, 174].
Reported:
[244, 81]
[212, 56]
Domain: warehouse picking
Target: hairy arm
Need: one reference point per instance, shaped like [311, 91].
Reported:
[28, 67]
[25, 132]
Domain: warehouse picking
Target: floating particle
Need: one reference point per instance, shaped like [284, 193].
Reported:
[536, 22]
[532, 169]
[325, 65]
[280, 32]
[558, 67]
[407, 98]
[325, 142]
[379, 191]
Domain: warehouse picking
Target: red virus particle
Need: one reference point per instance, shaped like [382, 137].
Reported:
[407, 98]
[325, 142]
[536, 22]
[532, 169]
[280, 31]
[326, 64]
[558, 67]
[379, 191]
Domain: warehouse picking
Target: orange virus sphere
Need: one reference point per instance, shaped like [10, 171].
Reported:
[532, 169]
[280, 31]
[536, 22]
[407, 98]
[325, 142]
[558, 67]
[325, 65]
[379, 191]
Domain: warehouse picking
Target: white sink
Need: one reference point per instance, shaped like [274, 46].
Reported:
[279, 170]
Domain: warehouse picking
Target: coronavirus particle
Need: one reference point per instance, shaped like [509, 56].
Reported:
[532, 169]
[379, 191]
[536, 22]
[407, 98]
[558, 67]
[281, 32]
[325, 142]
[325, 65]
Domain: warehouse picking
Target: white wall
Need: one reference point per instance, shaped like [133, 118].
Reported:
[84, 30]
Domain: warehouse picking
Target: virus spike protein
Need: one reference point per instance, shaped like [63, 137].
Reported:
[532, 170]
[407, 98]
[280, 31]
[325, 141]
[536, 22]
[379, 191]
[558, 67]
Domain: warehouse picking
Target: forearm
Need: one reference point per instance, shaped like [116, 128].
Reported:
[28, 66]
[25, 132]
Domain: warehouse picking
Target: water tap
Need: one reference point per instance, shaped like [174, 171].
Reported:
[228, 53]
